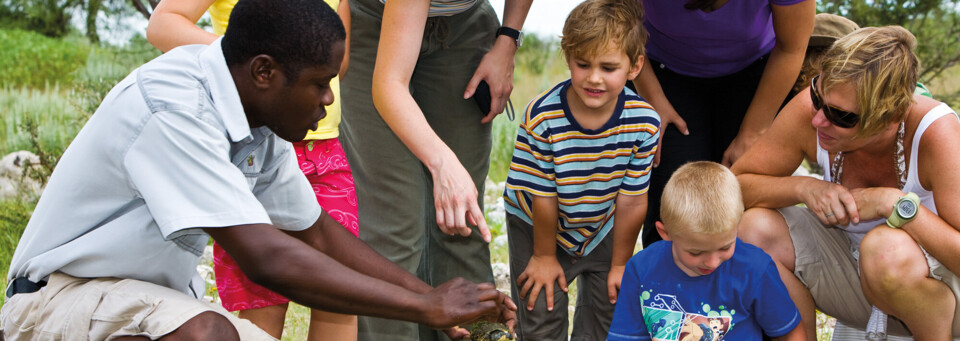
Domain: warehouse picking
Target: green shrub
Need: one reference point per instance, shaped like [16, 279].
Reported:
[32, 60]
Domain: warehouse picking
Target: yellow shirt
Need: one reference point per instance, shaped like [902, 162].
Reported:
[327, 128]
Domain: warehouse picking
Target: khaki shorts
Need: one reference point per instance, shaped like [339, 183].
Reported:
[826, 266]
[70, 308]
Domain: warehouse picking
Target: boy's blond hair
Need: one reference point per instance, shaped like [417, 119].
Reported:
[880, 63]
[701, 197]
[595, 24]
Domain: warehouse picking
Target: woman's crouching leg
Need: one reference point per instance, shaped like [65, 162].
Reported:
[895, 278]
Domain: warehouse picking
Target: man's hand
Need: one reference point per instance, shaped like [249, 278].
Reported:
[613, 282]
[458, 301]
[496, 68]
[541, 273]
[508, 317]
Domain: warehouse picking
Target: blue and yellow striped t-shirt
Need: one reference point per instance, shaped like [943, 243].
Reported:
[585, 169]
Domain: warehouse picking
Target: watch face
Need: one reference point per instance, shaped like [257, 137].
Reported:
[907, 209]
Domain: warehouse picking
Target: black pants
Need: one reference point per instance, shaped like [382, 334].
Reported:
[713, 109]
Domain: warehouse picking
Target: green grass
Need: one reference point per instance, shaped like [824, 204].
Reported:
[33, 60]
[297, 324]
[13, 219]
[58, 119]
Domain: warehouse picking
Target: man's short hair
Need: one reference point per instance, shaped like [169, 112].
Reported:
[701, 197]
[595, 24]
[880, 63]
[296, 33]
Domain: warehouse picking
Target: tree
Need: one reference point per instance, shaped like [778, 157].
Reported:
[48, 17]
[94, 8]
[935, 23]
[145, 9]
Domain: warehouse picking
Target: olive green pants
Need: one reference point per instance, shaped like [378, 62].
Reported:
[394, 189]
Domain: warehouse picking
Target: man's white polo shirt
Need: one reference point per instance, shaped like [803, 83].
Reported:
[168, 152]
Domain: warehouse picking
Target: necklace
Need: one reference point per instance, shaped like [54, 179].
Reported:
[836, 168]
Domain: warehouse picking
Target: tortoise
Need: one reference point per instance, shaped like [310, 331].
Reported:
[490, 331]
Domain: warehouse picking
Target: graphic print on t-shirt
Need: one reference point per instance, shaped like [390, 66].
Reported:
[667, 320]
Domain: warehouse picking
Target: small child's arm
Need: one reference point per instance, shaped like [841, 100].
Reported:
[543, 269]
[797, 334]
[628, 321]
[628, 219]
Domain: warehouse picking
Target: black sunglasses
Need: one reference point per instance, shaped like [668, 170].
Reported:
[840, 118]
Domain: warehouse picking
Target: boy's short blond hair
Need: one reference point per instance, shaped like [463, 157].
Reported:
[701, 197]
[595, 24]
[880, 63]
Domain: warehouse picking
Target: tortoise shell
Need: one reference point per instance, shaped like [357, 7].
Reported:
[487, 331]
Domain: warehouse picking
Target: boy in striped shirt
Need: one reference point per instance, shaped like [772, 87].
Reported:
[583, 156]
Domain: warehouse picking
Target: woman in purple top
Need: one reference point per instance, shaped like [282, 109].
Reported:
[717, 70]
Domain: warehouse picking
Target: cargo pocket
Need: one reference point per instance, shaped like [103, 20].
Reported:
[121, 313]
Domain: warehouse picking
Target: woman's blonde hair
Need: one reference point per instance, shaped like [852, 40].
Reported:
[880, 63]
[701, 197]
[596, 24]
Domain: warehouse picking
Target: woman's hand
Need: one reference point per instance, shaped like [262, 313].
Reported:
[649, 88]
[668, 116]
[496, 68]
[832, 203]
[455, 200]
[876, 202]
[541, 273]
[738, 147]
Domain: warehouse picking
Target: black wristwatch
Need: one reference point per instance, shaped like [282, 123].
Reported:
[512, 33]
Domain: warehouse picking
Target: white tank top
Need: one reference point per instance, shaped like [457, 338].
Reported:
[856, 231]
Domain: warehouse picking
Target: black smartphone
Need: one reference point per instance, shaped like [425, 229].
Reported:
[482, 96]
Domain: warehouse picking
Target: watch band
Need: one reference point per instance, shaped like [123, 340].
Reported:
[904, 210]
[512, 33]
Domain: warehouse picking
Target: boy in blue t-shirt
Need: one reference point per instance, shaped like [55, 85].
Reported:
[583, 155]
[701, 282]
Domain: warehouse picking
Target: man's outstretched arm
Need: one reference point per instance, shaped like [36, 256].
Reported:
[315, 267]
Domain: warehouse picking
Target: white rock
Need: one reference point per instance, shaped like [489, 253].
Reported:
[12, 179]
[501, 276]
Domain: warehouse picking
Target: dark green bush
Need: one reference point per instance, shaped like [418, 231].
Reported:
[32, 60]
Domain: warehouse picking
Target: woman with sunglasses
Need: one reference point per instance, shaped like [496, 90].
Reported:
[881, 229]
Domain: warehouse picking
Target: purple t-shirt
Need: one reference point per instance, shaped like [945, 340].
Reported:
[706, 45]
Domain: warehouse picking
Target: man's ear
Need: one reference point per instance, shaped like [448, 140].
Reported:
[635, 69]
[662, 231]
[264, 71]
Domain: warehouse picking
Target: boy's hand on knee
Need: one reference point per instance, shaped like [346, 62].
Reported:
[541, 273]
[613, 282]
